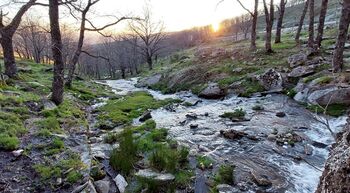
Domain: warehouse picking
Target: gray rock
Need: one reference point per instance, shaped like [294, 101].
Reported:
[271, 137]
[331, 96]
[17, 153]
[213, 91]
[149, 81]
[49, 105]
[4, 77]
[121, 183]
[302, 71]
[297, 60]
[162, 178]
[308, 149]
[260, 179]
[102, 186]
[237, 70]
[280, 114]
[225, 188]
[271, 80]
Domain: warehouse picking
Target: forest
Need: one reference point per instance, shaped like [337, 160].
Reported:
[222, 96]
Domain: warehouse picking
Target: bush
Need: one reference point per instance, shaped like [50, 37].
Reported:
[238, 113]
[225, 175]
[204, 162]
[258, 108]
[8, 143]
[163, 158]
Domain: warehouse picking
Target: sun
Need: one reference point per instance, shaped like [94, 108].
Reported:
[215, 26]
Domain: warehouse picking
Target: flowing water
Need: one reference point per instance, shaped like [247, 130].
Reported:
[287, 168]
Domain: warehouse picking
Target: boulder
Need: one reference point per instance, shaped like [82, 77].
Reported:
[260, 179]
[225, 188]
[149, 81]
[271, 80]
[335, 177]
[102, 186]
[302, 71]
[232, 134]
[49, 105]
[213, 91]
[145, 116]
[162, 178]
[297, 60]
[280, 114]
[330, 96]
[121, 183]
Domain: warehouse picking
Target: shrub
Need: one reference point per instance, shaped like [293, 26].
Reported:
[225, 175]
[8, 142]
[204, 162]
[238, 113]
[258, 108]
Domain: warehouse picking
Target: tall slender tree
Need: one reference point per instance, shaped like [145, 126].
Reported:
[58, 70]
[301, 22]
[338, 57]
[254, 16]
[6, 38]
[311, 40]
[321, 21]
[281, 8]
[269, 17]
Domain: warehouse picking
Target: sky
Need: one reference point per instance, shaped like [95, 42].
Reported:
[178, 14]
[175, 14]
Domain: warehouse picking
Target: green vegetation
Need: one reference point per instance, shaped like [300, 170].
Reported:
[335, 110]
[124, 110]
[324, 80]
[224, 175]
[204, 162]
[258, 108]
[237, 113]
[11, 127]
[56, 146]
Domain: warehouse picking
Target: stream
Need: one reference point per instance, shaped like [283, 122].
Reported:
[287, 168]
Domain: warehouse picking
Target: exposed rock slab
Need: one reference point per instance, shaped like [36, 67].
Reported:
[213, 91]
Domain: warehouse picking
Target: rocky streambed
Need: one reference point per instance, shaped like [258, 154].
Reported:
[277, 146]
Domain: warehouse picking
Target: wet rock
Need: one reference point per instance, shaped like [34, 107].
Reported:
[272, 137]
[225, 188]
[232, 134]
[308, 149]
[192, 116]
[101, 151]
[260, 179]
[280, 114]
[121, 183]
[206, 114]
[302, 71]
[319, 145]
[17, 153]
[102, 186]
[192, 102]
[193, 126]
[149, 81]
[213, 91]
[146, 115]
[162, 178]
[297, 60]
[59, 181]
[271, 80]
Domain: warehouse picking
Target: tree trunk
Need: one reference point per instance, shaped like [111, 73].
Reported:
[58, 69]
[280, 21]
[335, 177]
[149, 62]
[311, 41]
[269, 15]
[342, 36]
[301, 22]
[254, 26]
[321, 22]
[9, 56]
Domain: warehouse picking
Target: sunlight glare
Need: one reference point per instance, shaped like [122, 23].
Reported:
[215, 26]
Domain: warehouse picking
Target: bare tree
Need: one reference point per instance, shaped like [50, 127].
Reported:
[301, 22]
[6, 39]
[281, 8]
[58, 71]
[269, 17]
[342, 37]
[151, 34]
[321, 22]
[254, 15]
[311, 40]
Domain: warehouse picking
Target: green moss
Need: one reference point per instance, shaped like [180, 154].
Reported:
[8, 143]
[111, 138]
[56, 146]
[204, 162]
[183, 179]
[324, 80]
[123, 111]
[49, 124]
[74, 177]
[335, 110]
[238, 113]
[250, 87]
[47, 172]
